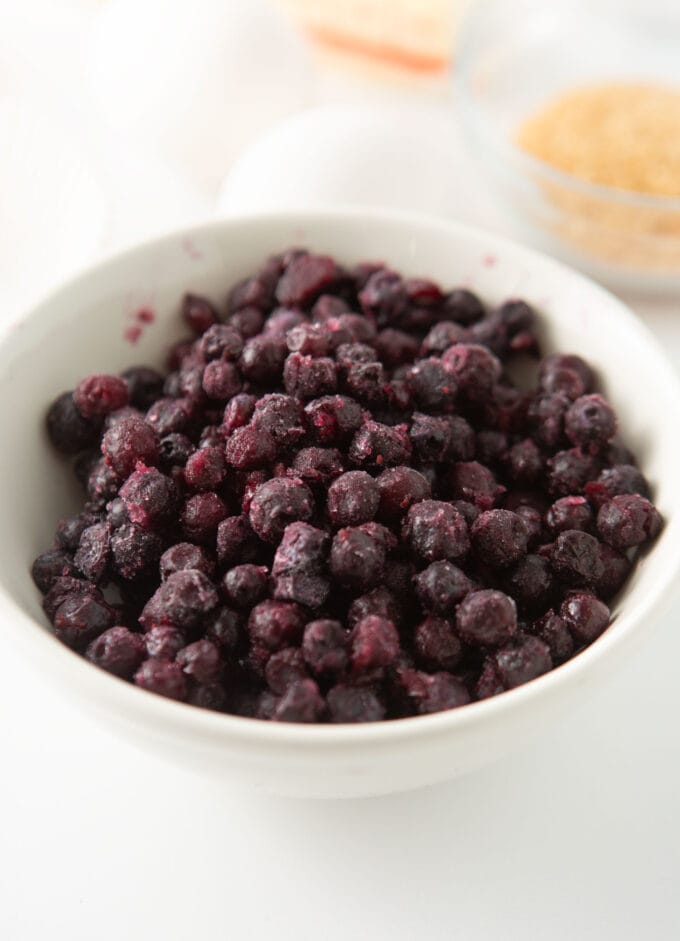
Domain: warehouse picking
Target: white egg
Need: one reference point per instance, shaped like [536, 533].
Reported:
[195, 81]
[405, 157]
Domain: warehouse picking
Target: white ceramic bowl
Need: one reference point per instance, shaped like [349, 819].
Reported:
[81, 328]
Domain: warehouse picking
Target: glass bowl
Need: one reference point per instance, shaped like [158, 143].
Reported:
[515, 56]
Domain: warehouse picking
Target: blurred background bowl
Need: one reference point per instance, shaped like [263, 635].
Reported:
[515, 56]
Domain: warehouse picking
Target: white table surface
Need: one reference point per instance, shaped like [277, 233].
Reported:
[576, 838]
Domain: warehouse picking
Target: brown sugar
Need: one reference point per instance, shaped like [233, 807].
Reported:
[620, 135]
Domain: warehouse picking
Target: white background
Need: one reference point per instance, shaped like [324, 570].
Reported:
[578, 837]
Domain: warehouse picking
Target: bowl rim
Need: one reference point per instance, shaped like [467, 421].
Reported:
[468, 42]
[139, 706]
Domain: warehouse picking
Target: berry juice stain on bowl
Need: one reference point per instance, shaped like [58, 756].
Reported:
[336, 505]
[140, 320]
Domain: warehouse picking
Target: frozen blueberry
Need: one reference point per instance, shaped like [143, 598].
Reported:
[145, 385]
[575, 558]
[174, 450]
[569, 513]
[499, 537]
[435, 530]
[523, 659]
[475, 369]
[463, 307]
[570, 471]
[238, 412]
[307, 377]
[150, 497]
[277, 503]
[531, 583]
[250, 448]
[226, 628]
[221, 341]
[68, 430]
[395, 347]
[169, 416]
[553, 631]
[162, 677]
[441, 438]
[436, 645]
[200, 517]
[182, 600]
[333, 419]
[590, 422]
[128, 443]
[324, 647]
[585, 616]
[245, 585]
[262, 359]
[471, 481]
[524, 463]
[80, 618]
[377, 445]
[546, 418]
[99, 395]
[305, 278]
[317, 465]
[616, 569]
[185, 555]
[134, 551]
[357, 559]
[444, 334]
[486, 618]
[280, 416]
[276, 624]
[93, 551]
[628, 520]
[441, 586]
[163, 641]
[433, 384]
[301, 702]
[374, 644]
[236, 541]
[118, 651]
[433, 692]
[400, 488]
[283, 668]
[380, 601]
[200, 661]
[354, 704]
[51, 565]
[198, 313]
[353, 498]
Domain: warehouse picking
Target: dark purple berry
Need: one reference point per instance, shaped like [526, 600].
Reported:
[277, 503]
[585, 616]
[400, 488]
[441, 586]
[523, 659]
[553, 631]
[280, 416]
[569, 472]
[118, 651]
[590, 422]
[475, 369]
[357, 559]
[51, 565]
[301, 702]
[250, 448]
[163, 641]
[134, 551]
[305, 278]
[628, 520]
[471, 481]
[569, 513]
[200, 517]
[128, 443]
[182, 600]
[276, 624]
[99, 395]
[200, 661]
[434, 692]
[262, 359]
[162, 677]
[354, 704]
[185, 555]
[436, 645]
[531, 583]
[324, 647]
[145, 385]
[575, 558]
[283, 668]
[499, 537]
[93, 552]
[486, 618]
[435, 530]
[374, 644]
[68, 430]
[80, 618]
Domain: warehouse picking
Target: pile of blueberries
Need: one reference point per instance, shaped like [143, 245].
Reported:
[338, 506]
